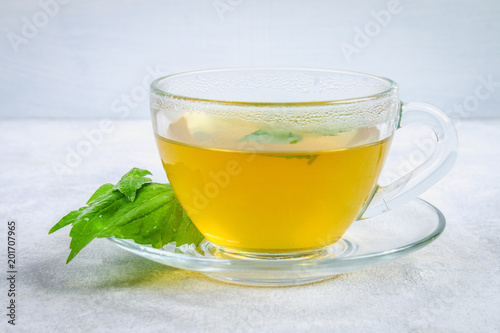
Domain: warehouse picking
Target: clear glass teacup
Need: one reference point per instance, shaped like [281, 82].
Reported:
[278, 163]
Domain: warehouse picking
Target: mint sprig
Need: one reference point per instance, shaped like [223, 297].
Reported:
[134, 208]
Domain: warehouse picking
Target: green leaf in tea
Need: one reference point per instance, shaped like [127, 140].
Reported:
[134, 208]
[310, 158]
[272, 136]
[284, 137]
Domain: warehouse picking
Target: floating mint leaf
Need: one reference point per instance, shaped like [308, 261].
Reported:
[310, 158]
[272, 136]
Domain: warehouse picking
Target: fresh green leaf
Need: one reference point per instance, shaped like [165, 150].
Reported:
[154, 216]
[132, 181]
[272, 136]
[100, 191]
[277, 136]
[66, 220]
[310, 158]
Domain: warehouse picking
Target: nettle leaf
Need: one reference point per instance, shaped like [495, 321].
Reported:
[104, 189]
[154, 216]
[132, 181]
[157, 218]
[272, 136]
[66, 220]
[310, 158]
[278, 136]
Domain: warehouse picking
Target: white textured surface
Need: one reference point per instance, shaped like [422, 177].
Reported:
[450, 286]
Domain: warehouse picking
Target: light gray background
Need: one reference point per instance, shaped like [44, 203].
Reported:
[80, 62]
[91, 54]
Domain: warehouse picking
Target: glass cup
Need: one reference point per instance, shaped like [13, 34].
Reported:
[278, 163]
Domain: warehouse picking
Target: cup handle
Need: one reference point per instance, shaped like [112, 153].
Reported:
[427, 174]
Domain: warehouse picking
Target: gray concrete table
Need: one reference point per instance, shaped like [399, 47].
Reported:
[451, 285]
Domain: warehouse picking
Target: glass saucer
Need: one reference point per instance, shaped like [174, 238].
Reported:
[386, 237]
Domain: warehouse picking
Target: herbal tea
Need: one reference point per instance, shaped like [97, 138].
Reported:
[265, 190]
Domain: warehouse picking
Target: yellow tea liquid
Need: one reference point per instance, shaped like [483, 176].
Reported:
[272, 201]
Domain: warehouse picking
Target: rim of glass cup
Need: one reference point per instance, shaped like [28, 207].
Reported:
[392, 86]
